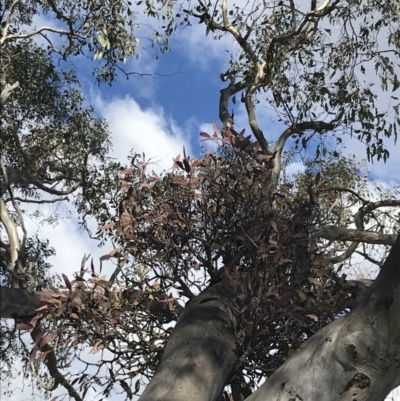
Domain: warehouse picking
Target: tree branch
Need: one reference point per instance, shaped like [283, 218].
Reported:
[235, 33]
[7, 24]
[12, 234]
[342, 357]
[248, 100]
[358, 235]
[317, 126]
[334, 233]
[51, 362]
[225, 94]
[38, 31]
[39, 201]
[18, 303]
[6, 92]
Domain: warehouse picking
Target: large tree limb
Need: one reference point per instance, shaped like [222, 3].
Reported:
[225, 95]
[334, 233]
[354, 358]
[200, 352]
[317, 126]
[18, 303]
[359, 221]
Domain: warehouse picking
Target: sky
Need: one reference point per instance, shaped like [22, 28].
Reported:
[159, 115]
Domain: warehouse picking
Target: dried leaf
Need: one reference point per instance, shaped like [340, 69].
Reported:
[32, 356]
[39, 337]
[47, 339]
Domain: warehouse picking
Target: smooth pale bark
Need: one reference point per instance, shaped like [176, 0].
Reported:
[356, 358]
[200, 352]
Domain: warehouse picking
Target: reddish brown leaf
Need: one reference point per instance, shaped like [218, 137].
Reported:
[67, 282]
[107, 226]
[34, 351]
[128, 170]
[47, 339]
[39, 337]
[215, 128]
[23, 326]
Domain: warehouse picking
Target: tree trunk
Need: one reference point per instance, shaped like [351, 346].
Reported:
[356, 358]
[200, 353]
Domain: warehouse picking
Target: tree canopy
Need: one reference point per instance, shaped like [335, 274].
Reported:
[230, 271]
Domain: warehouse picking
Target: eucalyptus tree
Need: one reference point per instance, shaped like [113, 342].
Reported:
[257, 257]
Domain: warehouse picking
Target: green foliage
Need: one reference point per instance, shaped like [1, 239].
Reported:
[334, 63]
[105, 31]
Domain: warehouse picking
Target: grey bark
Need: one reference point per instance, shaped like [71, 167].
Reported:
[356, 358]
[200, 353]
[18, 303]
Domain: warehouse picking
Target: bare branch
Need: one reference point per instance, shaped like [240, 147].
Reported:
[367, 257]
[342, 189]
[317, 126]
[235, 33]
[8, 21]
[55, 191]
[39, 201]
[12, 234]
[334, 233]
[226, 93]
[358, 235]
[42, 29]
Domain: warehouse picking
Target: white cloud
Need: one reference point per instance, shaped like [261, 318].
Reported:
[204, 51]
[143, 130]
[385, 171]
